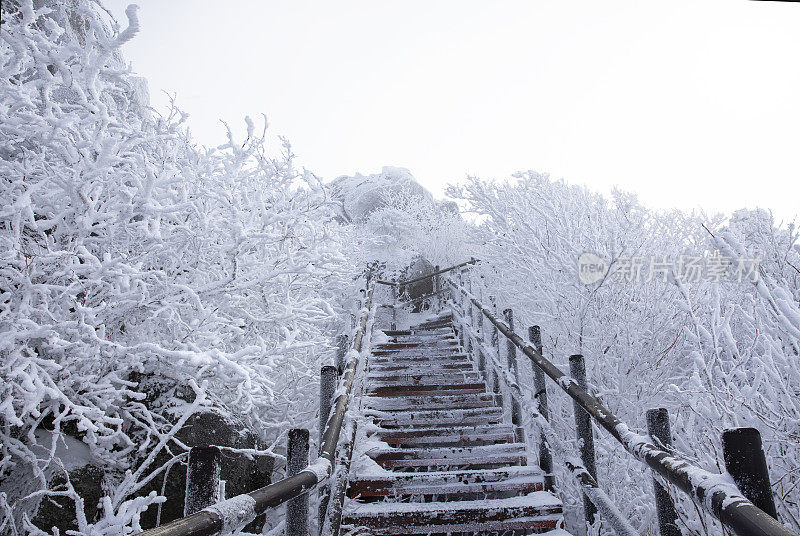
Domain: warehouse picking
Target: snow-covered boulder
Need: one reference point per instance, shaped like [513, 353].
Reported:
[361, 195]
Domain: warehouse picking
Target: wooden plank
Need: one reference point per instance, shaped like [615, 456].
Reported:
[427, 390]
[520, 479]
[452, 417]
[425, 378]
[421, 367]
[464, 435]
[536, 510]
[435, 402]
[452, 457]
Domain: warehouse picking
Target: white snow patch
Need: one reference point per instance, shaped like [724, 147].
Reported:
[235, 512]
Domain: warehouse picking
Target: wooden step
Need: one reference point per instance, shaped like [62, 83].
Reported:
[427, 390]
[435, 402]
[452, 457]
[397, 378]
[538, 510]
[521, 479]
[433, 342]
[426, 336]
[421, 358]
[421, 368]
[454, 435]
[450, 417]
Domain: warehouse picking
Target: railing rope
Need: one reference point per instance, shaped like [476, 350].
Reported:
[715, 493]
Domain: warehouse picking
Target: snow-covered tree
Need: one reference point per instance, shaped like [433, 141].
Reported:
[715, 353]
[143, 278]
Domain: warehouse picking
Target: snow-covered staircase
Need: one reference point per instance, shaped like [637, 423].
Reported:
[441, 459]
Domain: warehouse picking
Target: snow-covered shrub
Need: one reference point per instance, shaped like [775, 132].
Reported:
[716, 354]
[143, 278]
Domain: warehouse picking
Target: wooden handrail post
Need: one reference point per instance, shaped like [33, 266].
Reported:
[540, 394]
[747, 464]
[296, 461]
[659, 430]
[511, 348]
[583, 426]
[202, 479]
[495, 337]
[327, 386]
[436, 286]
[394, 307]
[469, 303]
[511, 359]
[342, 345]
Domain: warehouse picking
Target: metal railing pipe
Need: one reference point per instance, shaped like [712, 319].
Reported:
[714, 492]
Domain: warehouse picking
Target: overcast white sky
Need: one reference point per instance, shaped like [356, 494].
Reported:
[689, 103]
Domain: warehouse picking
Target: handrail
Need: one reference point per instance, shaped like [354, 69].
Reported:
[584, 479]
[427, 276]
[234, 513]
[717, 495]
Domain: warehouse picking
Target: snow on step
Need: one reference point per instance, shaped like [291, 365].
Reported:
[537, 510]
[422, 359]
[421, 368]
[427, 390]
[437, 418]
[451, 457]
[438, 376]
[455, 434]
[521, 479]
[435, 402]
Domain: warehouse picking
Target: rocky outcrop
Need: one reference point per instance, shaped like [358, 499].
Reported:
[241, 473]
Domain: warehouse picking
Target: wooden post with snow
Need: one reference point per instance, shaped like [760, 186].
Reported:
[327, 386]
[394, 307]
[494, 339]
[202, 479]
[436, 286]
[583, 426]
[342, 345]
[747, 464]
[296, 461]
[511, 358]
[658, 428]
[511, 348]
[540, 395]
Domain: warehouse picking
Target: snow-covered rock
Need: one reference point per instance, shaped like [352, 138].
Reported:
[361, 195]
